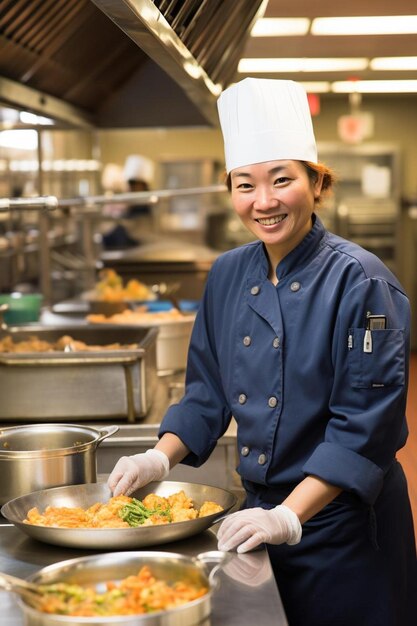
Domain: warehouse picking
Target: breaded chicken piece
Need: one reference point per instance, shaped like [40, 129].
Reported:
[152, 501]
[157, 520]
[209, 508]
[180, 501]
[183, 515]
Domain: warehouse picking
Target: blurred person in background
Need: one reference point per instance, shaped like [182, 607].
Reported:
[137, 175]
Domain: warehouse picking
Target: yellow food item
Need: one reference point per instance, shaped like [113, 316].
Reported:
[123, 512]
[139, 316]
[96, 516]
[209, 508]
[133, 595]
[111, 289]
[34, 344]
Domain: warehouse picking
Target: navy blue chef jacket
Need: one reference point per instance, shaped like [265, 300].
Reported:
[288, 362]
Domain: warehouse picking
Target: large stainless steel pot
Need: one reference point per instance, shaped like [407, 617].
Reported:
[114, 538]
[96, 570]
[40, 456]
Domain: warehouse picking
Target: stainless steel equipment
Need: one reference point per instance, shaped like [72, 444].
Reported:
[166, 260]
[115, 538]
[39, 456]
[90, 385]
[97, 570]
[172, 342]
[240, 598]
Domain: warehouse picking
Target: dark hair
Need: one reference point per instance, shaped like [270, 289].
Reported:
[313, 172]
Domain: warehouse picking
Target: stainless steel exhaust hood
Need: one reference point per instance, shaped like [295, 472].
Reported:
[121, 63]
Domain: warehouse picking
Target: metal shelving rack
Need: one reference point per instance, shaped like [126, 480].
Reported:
[363, 209]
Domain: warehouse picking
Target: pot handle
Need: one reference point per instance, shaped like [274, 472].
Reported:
[217, 560]
[106, 432]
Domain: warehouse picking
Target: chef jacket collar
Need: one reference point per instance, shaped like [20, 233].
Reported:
[301, 254]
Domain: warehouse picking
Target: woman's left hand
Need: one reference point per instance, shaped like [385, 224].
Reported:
[247, 529]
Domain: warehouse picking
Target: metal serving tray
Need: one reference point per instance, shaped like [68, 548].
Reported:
[79, 385]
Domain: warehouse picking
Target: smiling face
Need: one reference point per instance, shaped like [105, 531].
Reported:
[275, 201]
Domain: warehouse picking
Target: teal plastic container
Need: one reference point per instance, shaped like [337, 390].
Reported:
[21, 307]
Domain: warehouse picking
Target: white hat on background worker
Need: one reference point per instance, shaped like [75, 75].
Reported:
[264, 119]
[138, 167]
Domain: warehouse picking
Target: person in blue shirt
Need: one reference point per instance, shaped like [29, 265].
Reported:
[302, 337]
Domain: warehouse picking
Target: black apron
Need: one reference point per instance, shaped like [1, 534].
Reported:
[355, 565]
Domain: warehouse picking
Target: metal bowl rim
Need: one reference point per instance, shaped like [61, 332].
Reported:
[58, 530]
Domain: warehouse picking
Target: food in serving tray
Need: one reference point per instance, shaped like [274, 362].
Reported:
[135, 594]
[63, 344]
[124, 512]
[110, 288]
[140, 315]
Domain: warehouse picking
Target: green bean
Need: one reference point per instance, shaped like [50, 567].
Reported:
[136, 513]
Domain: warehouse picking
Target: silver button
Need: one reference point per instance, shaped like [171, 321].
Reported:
[295, 286]
[244, 451]
[247, 340]
[255, 290]
[242, 398]
[262, 459]
[275, 343]
[272, 402]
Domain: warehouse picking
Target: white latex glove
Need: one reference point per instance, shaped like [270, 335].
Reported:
[247, 529]
[132, 472]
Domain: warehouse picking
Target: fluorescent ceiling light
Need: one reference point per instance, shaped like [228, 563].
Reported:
[316, 86]
[365, 25]
[280, 27]
[19, 139]
[248, 66]
[394, 63]
[375, 86]
[31, 118]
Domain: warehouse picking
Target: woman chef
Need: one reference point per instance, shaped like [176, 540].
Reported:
[303, 337]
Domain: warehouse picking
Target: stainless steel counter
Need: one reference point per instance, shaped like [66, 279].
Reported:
[246, 594]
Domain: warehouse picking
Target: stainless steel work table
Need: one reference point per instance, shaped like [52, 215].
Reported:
[249, 597]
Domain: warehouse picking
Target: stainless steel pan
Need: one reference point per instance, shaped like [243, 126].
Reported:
[98, 569]
[114, 538]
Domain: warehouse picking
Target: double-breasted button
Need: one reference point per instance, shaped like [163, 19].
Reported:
[244, 451]
[272, 402]
[275, 343]
[255, 290]
[247, 340]
[295, 286]
[262, 459]
[242, 398]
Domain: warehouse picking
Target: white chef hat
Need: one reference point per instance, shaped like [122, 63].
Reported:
[138, 167]
[264, 119]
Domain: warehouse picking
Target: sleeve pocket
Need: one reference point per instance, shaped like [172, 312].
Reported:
[384, 366]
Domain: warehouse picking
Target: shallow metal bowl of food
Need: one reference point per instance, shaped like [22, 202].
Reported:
[96, 570]
[86, 495]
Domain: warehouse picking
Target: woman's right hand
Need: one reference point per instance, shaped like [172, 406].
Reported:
[132, 472]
